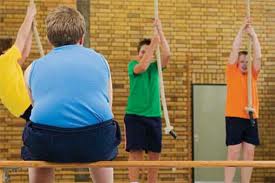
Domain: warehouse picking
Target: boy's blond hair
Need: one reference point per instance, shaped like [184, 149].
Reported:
[65, 26]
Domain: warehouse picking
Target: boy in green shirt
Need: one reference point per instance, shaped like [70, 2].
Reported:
[143, 111]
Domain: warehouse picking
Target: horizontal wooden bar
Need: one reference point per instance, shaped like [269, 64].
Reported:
[144, 164]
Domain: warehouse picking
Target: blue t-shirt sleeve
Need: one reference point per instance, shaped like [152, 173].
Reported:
[105, 62]
[31, 74]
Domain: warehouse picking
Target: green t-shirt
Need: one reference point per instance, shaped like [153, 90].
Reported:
[144, 97]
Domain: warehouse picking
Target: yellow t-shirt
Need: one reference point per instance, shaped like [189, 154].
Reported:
[13, 92]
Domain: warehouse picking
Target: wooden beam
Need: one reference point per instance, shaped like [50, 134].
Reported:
[144, 164]
[2, 175]
[83, 7]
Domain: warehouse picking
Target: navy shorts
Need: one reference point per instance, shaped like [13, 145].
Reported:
[86, 144]
[240, 130]
[143, 133]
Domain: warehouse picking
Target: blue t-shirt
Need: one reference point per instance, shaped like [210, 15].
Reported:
[70, 88]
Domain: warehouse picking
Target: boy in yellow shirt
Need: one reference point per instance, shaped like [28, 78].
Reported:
[13, 92]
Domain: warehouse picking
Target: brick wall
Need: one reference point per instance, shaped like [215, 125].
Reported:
[200, 33]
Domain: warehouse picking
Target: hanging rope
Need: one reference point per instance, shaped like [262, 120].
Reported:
[168, 129]
[36, 35]
[249, 107]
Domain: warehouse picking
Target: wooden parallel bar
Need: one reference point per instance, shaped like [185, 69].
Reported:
[144, 164]
[125, 172]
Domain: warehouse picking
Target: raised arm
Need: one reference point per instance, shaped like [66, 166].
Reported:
[27, 49]
[149, 53]
[165, 49]
[237, 43]
[257, 54]
[25, 29]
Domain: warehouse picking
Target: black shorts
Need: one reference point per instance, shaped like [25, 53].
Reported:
[86, 144]
[240, 130]
[143, 133]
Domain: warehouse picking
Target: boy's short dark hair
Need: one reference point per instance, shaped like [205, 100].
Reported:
[5, 44]
[243, 52]
[145, 41]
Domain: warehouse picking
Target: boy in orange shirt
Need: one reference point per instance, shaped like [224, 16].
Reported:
[240, 134]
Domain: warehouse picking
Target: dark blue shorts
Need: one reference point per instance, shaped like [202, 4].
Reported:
[240, 130]
[143, 133]
[86, 144]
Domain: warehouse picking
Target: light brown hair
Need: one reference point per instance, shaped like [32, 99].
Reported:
[65, 26]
